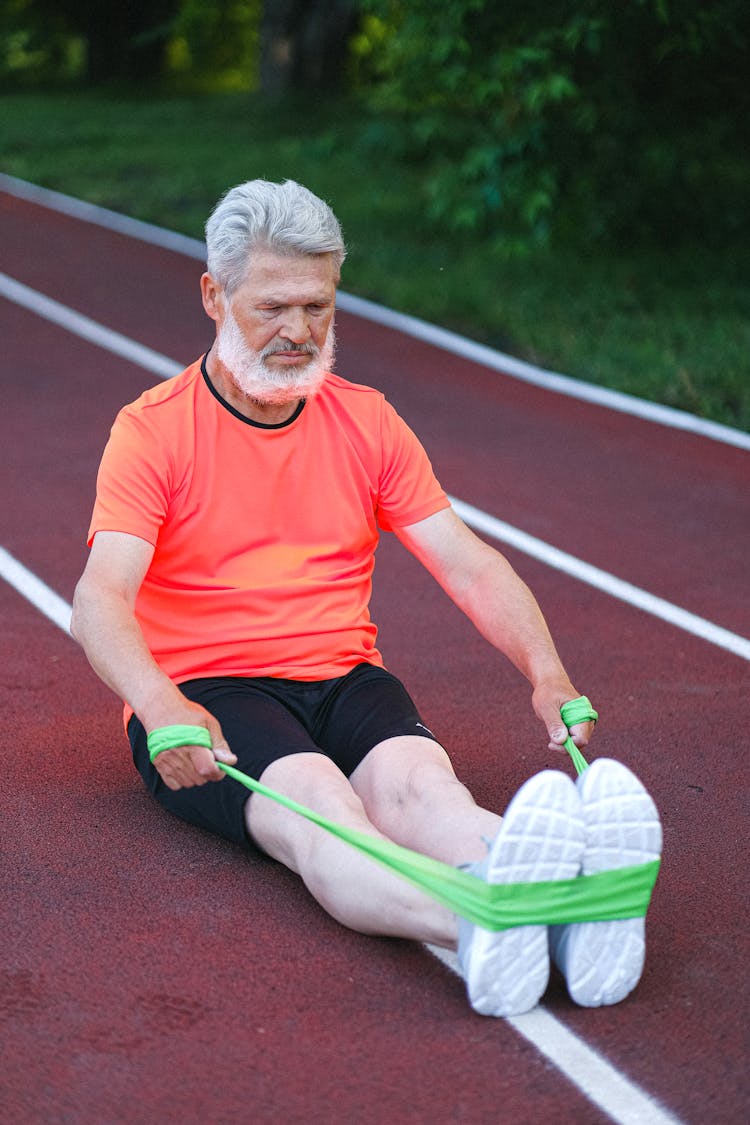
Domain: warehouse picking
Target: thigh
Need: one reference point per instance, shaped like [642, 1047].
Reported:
[367, 707]
[311, 780]
[410, 791]
[259, 729]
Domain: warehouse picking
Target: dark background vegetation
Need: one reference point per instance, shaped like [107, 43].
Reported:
[567, 181]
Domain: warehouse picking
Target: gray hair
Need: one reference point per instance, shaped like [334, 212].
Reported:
[285, 217]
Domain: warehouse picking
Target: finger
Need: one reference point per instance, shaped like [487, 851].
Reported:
[222, 753]
[581, 734]
[184, 767]
[203, 764]
[557, 731]
[176, 778]
[219, 744]
[172, 781]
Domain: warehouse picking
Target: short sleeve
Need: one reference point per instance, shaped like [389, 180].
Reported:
[132, 486]
[408, 489]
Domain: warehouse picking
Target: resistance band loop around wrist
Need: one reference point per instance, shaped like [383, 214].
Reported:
[606, 896]
[170, 738]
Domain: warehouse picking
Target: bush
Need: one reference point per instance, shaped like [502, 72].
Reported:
[619, 120]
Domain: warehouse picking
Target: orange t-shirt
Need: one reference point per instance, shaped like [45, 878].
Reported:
[264, 535]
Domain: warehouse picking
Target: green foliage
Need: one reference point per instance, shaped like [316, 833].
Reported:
[124, 42]
[625, 120]
[666, 153]
[215, 46]
[472, 105]
[191, 43]
[671, 325]
[566, 181]
[37, 46]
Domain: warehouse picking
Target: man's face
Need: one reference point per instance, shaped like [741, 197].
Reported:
[275, 336]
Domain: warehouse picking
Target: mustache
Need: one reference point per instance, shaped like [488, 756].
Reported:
[288, 346]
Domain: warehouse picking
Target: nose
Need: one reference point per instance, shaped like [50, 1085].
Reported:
[296, 325]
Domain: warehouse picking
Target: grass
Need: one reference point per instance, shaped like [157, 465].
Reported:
[673, 327]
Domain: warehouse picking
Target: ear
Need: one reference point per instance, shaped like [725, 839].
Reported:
[212, 294]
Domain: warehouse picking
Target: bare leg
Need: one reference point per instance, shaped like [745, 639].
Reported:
[410, 792]
[405, 790]
[354, 889]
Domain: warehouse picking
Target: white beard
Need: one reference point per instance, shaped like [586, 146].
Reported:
[268, 385]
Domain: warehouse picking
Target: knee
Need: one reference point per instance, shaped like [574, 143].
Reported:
[399, 778]
[432, 784]
[313, 782]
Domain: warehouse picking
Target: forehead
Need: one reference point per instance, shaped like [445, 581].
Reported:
[295, 278]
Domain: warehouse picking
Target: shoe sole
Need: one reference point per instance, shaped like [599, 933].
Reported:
[541, 838]
[602, 961]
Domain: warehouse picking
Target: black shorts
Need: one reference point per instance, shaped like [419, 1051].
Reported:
[264, 719]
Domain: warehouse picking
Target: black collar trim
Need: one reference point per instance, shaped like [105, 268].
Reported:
[248, 421]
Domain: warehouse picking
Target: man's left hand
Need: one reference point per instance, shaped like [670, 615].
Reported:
[547, 701]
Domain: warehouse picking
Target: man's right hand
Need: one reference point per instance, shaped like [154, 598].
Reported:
[186, 766]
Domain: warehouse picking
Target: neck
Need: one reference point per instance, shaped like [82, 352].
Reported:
[270, 413]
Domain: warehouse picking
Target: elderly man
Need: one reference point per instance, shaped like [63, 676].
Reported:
[232, 546]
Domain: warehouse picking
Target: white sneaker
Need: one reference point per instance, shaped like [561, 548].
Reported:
[541, 838]
[602, 961]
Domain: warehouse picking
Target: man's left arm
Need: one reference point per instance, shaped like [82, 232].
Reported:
[485, 586]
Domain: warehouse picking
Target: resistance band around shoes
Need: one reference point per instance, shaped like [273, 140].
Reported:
[606, 896]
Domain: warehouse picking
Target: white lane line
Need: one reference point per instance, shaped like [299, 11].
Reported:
[87, 329]
[401, 322]
[539, 377]
[597, 1079]
[102, 217]
[35, 591]
[164, 367]
[602, 580]
[610, 1090]
[605, 1086]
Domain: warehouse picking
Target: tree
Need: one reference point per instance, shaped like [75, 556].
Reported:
[618, 113]
[286, 45]
[124, 41]
[304, 44]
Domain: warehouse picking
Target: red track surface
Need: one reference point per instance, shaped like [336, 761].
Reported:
[150, 972]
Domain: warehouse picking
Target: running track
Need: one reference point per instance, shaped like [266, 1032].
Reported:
[149, 972]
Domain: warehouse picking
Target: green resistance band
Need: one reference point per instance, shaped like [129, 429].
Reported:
[606, 896]
[169, 738]
[577, 711]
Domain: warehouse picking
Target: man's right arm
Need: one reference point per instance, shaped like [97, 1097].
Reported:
[105, 625]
